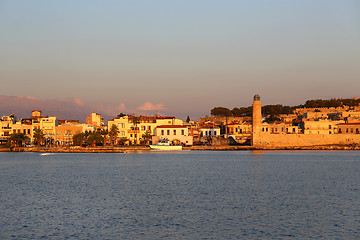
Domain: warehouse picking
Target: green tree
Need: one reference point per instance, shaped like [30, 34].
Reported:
[221, 112]
[38, 136]
[104, 133]
[79, 138]
[17, 138]
[95, 138]
[123, 140]
[147, 136]
[121, 115]
[113, 133]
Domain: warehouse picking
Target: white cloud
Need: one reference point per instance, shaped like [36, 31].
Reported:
[148, 106]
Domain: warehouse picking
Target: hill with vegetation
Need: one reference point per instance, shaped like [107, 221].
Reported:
[273, 111]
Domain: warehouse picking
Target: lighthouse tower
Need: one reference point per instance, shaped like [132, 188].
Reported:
[256, 120]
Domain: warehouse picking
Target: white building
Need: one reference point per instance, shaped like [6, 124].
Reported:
[176, 134]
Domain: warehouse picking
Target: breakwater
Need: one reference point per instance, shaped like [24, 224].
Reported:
[192, 148]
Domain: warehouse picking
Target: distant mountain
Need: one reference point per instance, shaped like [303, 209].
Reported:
[66, 109]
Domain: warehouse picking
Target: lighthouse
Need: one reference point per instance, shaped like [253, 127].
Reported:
[256, 120]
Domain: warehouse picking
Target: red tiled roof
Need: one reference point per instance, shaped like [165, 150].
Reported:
[171, 126]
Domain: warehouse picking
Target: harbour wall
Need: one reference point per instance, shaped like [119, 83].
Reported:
[303, 140]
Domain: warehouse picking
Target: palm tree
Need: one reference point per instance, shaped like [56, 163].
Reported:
[123, 140]
[113, 134]
[38, 136]
[78, 139]
[95, 138]
[146, 137]
[104, 133]
[17, 138]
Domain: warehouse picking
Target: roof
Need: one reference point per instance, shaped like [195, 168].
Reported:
[171, 126]
[349, 124]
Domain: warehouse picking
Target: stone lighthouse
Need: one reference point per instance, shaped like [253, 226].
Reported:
[256, 120]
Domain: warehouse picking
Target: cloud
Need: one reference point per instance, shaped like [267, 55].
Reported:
[78, 102]
[109, 110]
[148, 106]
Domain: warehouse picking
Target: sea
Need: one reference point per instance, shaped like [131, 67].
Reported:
[181, 195]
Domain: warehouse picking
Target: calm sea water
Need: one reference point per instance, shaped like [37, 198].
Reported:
[180, 195]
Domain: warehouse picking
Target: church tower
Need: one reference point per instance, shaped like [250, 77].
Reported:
[256, 120]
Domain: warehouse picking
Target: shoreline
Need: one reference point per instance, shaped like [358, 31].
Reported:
[192, 148]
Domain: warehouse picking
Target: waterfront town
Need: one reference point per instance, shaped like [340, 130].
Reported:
[303, 127]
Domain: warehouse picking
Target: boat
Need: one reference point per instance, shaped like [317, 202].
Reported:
[46, 154]
[164, 145]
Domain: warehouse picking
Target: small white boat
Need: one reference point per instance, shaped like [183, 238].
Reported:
[165, 146]
[46, 154]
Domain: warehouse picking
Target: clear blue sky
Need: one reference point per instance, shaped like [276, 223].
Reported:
[188, 55]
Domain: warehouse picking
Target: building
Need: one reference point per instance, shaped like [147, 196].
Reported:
[209, 129]
[175, 134]
[134, 128]
[6, 123]
[95, 120]
[66, 131]
[349, 128]
[326, 132]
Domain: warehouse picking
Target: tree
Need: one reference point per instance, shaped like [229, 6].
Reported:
[104, 133]
[121, 115]
[188, 119]
[123, 140]
[38, 136]
[17, 138]
[113, 134]
[221, 111]
[146, 137]
[94, 139]
[239, 112]
[78, 139]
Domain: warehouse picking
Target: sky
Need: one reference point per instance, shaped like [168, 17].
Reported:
[174, 57]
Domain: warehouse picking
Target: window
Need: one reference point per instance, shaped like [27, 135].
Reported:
[143, 128]
[214, 133]
[162, 132]
[182, 132]
[28, 131]
[122, 133]
[130, 135]
[329, 126]
[351, 130]
[24, 131]
[149, 128]
[347, 130]
[174, 132]
[168, 132]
